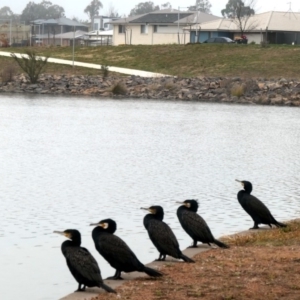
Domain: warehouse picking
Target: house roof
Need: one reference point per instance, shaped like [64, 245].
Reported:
[100, 33]
[167, 16]
[161, 18]
[59, 21]
[274, 20]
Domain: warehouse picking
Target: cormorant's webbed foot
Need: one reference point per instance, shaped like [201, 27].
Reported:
[194, 245]
[161, 258]
[255, 226]
[117, 276]
[114, 278]
[80, 289]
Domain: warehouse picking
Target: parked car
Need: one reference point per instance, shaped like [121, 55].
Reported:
[219, 39]
[241, 39]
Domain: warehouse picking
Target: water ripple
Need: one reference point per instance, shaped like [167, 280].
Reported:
[67, 162]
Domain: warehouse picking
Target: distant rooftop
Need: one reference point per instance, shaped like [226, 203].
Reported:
[168, 16]
[273, 20]
[59, 21]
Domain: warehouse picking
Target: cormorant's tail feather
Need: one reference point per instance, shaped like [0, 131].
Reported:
[152, 272]
[107, 288]
[220, 244]
[278, 224]
[186, 259]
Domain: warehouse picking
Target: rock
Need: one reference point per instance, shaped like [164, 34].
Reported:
[276, 101]
[216, 89]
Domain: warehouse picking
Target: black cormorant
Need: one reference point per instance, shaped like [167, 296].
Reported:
[194, 225]
[255, 208]
[81, 263]
[116, 251]
[162, 235]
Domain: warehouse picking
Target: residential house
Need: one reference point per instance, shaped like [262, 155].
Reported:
[158, 27]
[103, 23]
[98, 38]
[47, 31]
[13, 33]
[274, 27]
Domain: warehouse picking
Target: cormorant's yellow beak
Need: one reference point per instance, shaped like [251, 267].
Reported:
[66, 234]
[241, 182]
[103, 225]
[188, 205]
[152, 211]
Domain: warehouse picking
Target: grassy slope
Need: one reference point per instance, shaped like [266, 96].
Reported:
[189, 60]
[279, 237]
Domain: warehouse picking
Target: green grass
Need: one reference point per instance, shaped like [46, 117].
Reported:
[186, 60]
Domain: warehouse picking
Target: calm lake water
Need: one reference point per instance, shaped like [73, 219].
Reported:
[67, 162]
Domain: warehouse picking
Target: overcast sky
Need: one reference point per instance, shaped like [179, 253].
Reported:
[75, 8]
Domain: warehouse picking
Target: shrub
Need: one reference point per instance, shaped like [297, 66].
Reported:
[237, 90]
[169, 85]
[119, 89]
[264, 44]
[31, 64]
[104, 70]
[8, 73]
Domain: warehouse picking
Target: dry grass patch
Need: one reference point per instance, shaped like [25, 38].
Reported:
[118, 89]
[289, 235]
[8, 72]
[238, 90]
[249, 271]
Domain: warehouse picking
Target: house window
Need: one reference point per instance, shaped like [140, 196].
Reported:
[144, 28]
[159, 28]
[121, 29]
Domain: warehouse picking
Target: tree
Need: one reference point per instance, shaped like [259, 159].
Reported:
[5, 12]
[166, 5]
[93, 8]
[143, 8]
[240, 13]
[112, 12]
[237, 9]
[201, 5]
[55, 12]
[43, 10]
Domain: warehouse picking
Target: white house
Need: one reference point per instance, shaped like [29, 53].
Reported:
[103, 23]
[158, 27]
[274, 26]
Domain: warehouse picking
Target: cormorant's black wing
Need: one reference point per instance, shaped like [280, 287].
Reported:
[196, 226]
[255, 207]
[163, 237]
[115, 250]
[82, 261]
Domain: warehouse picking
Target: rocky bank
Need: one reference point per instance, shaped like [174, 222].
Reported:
[230, 90]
